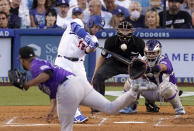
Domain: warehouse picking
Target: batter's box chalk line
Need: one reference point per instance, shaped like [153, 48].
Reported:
[159, 123]
[10, 123]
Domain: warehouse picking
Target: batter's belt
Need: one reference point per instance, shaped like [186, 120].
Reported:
[70, 58]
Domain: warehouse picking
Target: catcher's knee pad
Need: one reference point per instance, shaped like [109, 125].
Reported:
[168, 90]
[170, 93]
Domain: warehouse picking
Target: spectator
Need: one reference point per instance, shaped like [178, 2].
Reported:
[184, 5]
[77, 13]
[144, 3]
[136, 18]
[3, 20]
[24, 13]
[51, 3]
[190, 8]
[37, 13]
[50, 19]
[112, 7]
[83, 5]
[117, 17]
[192, 19]
[63, 8]
[175, 18]
[155, 5]
[5, 6]
[72, 4]
[15, 6]
[95, 7]
[123, 3]
[14, 20]
[152, 20]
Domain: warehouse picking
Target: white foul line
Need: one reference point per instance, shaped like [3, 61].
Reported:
[102, 121]
[10, 121]
[18, 125]
[158, 123]
[130, 122]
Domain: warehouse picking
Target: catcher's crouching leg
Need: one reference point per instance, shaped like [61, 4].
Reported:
[170, 93]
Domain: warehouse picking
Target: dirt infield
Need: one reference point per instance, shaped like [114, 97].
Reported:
[32, 118]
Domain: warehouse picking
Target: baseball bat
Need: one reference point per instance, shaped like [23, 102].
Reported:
[117, 56]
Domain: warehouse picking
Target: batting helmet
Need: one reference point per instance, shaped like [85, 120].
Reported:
[152, 51]
[97, 20]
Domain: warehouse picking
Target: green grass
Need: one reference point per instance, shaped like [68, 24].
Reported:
[11, 96]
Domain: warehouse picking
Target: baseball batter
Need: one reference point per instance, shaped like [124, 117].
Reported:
[159, 83]
[75, 43]
[69, 90]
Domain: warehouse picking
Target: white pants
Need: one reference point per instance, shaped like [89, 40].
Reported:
[76, 91]
[76, 67]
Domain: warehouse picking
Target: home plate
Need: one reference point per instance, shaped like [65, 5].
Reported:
[130, 122]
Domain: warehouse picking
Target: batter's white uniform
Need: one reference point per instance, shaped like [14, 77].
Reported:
[72, 46]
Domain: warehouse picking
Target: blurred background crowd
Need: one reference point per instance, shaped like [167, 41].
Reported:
[151, 14]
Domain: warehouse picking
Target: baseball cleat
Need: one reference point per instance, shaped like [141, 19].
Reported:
[80, 119]
[128, 110]
[180, 112]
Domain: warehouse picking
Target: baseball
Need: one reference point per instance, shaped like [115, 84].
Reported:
[123, 47]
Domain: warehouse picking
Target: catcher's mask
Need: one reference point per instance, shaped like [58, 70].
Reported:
[152, 51]
[125, 31]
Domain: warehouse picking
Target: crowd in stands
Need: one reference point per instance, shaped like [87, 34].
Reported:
[59, 13]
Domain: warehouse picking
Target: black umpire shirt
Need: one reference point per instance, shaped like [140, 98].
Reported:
[180, 20]
[134, 47]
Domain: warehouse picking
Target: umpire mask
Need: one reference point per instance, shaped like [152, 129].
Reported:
[125, 31]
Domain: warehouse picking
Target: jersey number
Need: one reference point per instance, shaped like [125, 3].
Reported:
[81, 45]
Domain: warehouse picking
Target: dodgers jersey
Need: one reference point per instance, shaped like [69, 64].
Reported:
[50, 86]
[72, 45]
[167, 75]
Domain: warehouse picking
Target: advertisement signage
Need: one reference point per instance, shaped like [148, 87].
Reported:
[5, 58]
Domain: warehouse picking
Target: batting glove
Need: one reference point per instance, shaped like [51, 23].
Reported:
[90, 42]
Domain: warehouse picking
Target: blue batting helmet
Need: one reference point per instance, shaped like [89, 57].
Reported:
[97, 20]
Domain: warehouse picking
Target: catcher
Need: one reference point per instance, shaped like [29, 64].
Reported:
[158, 83]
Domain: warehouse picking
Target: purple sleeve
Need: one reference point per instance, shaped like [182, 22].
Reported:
[38, 67]
[168, 64]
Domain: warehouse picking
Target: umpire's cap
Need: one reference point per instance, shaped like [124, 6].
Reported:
[26, 52]
[97, 20]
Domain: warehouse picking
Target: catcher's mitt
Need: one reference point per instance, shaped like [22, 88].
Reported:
[137, 68]
[17, 78]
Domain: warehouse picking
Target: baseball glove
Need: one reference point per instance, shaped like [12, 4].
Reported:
[17, 78]
[137, 68]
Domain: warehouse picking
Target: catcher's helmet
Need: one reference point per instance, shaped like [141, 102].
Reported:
[152, 51]
[125, 25]
[97, 20]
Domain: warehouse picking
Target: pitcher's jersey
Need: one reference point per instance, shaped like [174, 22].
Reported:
[165, 75]
[71, 45]
[50, 86]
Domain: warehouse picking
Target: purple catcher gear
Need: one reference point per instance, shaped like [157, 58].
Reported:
[152, 51]
[97, 20]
